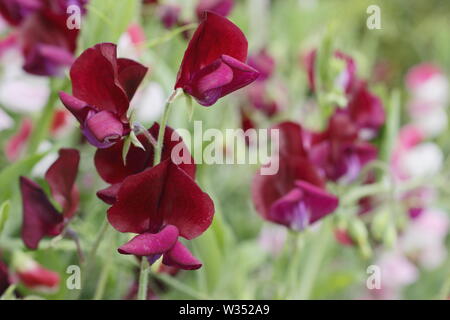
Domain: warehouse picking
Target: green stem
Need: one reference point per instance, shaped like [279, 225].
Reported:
[313, 261]
[162, 126]
[101, 285]
[89, 262]
[143, 276]
[42, 125]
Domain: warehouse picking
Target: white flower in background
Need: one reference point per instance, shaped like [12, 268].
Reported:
[396, 270]
[427, 82]
[424, 239]
[432, 122]
[19, 91]
[425, 159]
[6, 122]
[272, 238]
[130, 43]
[148, 103]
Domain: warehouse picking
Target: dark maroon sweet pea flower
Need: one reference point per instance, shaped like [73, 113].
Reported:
[214, 62]
[169, 15]
[294, 197]
[165, 202]
[47, 44]
[103, 86]
[338, 152]
[366, 110]
[220, 7]
[14, 11]
[40, 217]
[159, 203]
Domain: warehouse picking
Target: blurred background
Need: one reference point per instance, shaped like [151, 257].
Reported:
[406, 64]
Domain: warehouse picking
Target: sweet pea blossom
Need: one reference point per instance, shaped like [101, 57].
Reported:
[214, 62]
[160, 203]
[33, 275]
[40, 217]
[102, 88]
[338, 152]
[294, 197]
[46, 42]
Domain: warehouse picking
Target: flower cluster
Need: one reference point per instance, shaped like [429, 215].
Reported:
[41, 31]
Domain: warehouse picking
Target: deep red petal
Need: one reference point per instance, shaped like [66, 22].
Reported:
[131, 74]
[266, 189]
[214, 37]
[110, 165]
[61, 178]
[40, 218]
[180, 257]
[95, 79]
[164, 194]
[109, 194]
[147, 244]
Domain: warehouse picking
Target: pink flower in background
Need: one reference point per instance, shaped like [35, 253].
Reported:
[34, 276]
[428, 87]
[427, 82]
[17, 143]
[396, 272]
[424, 238]
[264, 63]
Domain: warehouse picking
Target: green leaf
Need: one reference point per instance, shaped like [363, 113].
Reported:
[391, 129]
[9, 293]
[106, 21]
[4, 214]
[10, 175]
[126, 148]
[135, 141]
[190, 106]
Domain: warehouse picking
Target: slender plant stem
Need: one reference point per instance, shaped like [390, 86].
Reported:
[143, 275]
[313, 261]
[89, 262]
[42, 125]
[101, 285]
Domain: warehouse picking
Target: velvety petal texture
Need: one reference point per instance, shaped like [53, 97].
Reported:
[102, 87]
[295, 196]
[214, 62]
[148, 244]
[40, 217]
[61, 177]
[111, 167]
[161, 195]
